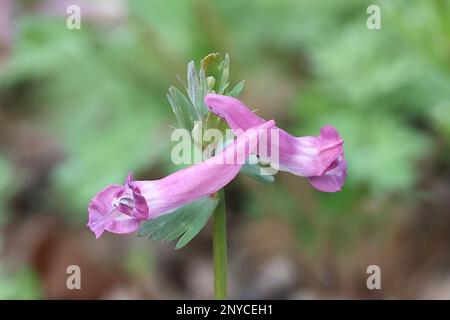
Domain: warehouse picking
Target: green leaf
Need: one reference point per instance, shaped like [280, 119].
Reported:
[236, 91]
[182, 116]
[223, 74]
[210, 63]
[190, 107]
[254, 171]
[184, 223]
[183, 108]
[202, 91]
[193, 84]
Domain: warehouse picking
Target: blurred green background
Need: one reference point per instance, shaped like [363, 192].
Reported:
[81, 108]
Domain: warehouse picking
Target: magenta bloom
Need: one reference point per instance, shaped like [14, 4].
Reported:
[320, 158]
[121, 208]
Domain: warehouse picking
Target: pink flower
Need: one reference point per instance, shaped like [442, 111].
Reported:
[121, 208]
[319, 158]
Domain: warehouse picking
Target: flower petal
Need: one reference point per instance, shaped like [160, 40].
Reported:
[310, 156]
[100, 209]
[141, 209]
[120, 223]
[332, 180]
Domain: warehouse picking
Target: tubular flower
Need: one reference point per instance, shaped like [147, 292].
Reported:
[121, 208]
[320, 158]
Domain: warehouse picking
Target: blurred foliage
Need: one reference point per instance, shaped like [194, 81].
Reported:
[380, 95]
[23, 284]
[6, 182]
[98, 104]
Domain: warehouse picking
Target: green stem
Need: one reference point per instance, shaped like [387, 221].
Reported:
[220, 249]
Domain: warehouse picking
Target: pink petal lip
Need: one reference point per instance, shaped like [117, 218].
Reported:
[333, 180]
[100, 210]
